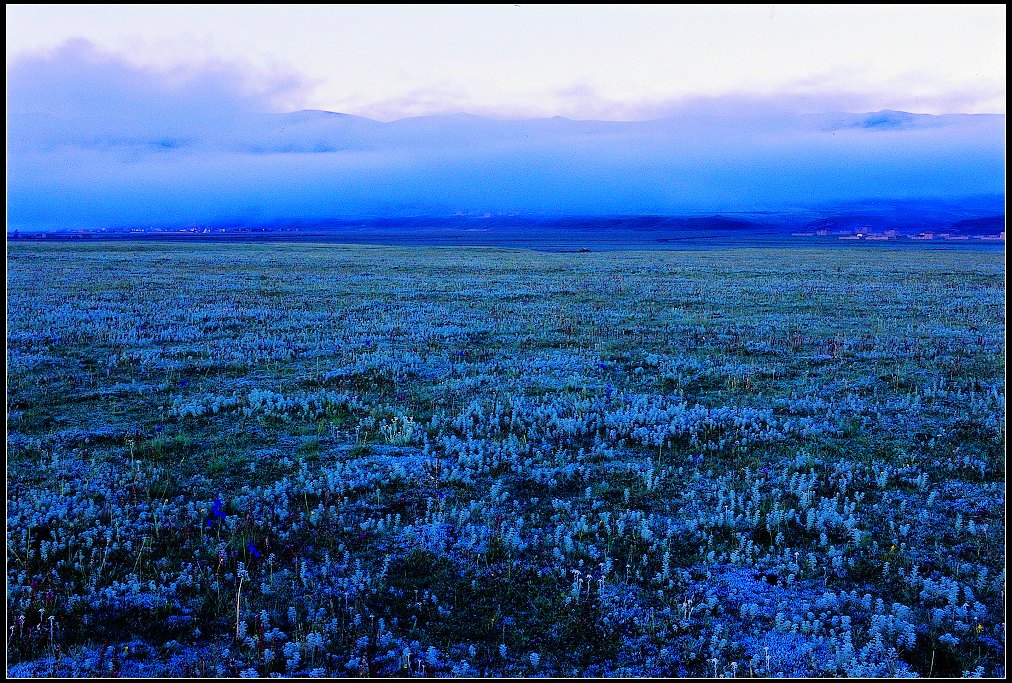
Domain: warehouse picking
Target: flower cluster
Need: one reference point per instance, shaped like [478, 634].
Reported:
[353, 461]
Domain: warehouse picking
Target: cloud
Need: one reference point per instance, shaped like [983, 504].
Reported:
[97, 141]
[417, 102]
[80, 95]
[811, 96]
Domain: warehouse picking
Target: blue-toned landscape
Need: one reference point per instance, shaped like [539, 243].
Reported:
[575, 362]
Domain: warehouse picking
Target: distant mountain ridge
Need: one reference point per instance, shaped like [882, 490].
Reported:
[316, 131]
[332, 131]
[979, 226]
[313, 166]
[868, 218]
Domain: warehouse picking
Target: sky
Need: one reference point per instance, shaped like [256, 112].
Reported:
[588, 61]
[172, 114]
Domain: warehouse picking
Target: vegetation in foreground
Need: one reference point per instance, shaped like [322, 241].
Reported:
[236, 459]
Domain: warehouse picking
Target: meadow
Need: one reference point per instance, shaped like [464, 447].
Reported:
[238, 459]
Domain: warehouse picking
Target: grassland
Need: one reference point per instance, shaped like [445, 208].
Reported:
[309, 459]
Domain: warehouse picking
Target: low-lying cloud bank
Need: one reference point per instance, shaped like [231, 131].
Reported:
[95, 141]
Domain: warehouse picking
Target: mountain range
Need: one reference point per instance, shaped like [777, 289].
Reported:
[118, 169]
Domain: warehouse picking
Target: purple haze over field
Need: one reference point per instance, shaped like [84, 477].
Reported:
[95, 141]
